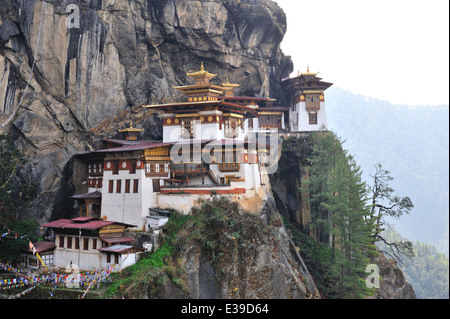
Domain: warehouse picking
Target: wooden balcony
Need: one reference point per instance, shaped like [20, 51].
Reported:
[188, 169]
[229, 167]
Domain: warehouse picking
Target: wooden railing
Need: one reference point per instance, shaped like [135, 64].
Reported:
[229, 167]
[188, 169]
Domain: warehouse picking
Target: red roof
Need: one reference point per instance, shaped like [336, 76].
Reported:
[88, 223]
[42, 246]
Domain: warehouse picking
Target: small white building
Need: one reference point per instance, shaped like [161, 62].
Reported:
[91, 243]
[307, 102]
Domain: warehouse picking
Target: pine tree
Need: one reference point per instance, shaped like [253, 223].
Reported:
[385, 203]
[13, 227]
[339, 215]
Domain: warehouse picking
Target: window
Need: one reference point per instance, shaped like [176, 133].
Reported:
[86, 244]
[111, 187]
[135, 186]
[127, 186]
[61, 241]
[156, 186]
[269, 122]
[95, 169]
[77, 243]
[229, 157]
[133, 167]
[187, 129]
[115, 167]
[118, 186]
[156, 169]
[47, 259]
[69, 242]
[94, 243]
[312, 119]
[231, 128]
[313, 102]
[229, 162]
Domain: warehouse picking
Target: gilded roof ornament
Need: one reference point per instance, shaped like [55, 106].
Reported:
[308, 72]
[227, 84]
[131, 129]
[202, 73]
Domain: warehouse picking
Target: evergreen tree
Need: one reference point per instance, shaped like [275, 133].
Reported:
[339, 215]
[385, 203]
[15, 230]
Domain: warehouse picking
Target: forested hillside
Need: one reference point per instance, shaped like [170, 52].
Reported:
[411, 142]
[427, 271]
[335, 218]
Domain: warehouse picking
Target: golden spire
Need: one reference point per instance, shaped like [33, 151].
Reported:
[131, 133]
[202, 74]
[131, 129]
[308, 72]
[230, 85]
[229, 88]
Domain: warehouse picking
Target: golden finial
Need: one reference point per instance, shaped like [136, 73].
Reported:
[131, 124]
[202, 68]
[308, 72]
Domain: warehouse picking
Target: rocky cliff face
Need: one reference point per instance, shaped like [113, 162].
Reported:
[73, 71]
[225, 252]
[393, 284]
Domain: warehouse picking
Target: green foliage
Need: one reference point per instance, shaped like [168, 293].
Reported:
[385, 203]
[217, 226]
[427, 271]
[11, 222]
[148, 273]
[10, 161]
[342, 247]
[413, 142]
[223, 231]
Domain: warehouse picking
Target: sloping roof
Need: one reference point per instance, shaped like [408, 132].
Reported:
[42, 246]
[206, 103]
[93, 195]
[87, 223]
[116, 248]
[142, 145]
[124, 146]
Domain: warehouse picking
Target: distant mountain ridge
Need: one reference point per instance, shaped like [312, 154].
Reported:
[410, 141]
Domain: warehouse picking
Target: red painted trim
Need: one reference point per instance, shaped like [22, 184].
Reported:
[234, 191]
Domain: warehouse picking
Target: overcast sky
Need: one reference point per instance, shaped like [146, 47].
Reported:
[394, 50]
